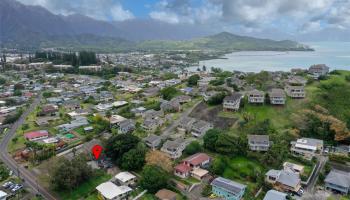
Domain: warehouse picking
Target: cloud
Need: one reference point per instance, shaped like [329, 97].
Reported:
[248, 15]
[183, 11]
[98, 9]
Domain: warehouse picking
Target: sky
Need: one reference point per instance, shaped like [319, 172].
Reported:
[293, 17]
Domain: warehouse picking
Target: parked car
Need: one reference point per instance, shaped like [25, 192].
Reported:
[7, 184]
[17, 187]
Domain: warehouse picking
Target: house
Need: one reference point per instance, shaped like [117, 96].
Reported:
[126, 126]
[36, 135]
[296, 91]
[95, 68]
[72, 105]
[198, 160]
[3, 195]
[110, 191]
[153, 141]
[182, 170]
[259, 142]
[165, 194]
[232, 103]
[283, 180]
[298, 169]
[200, 127]
[103, 107]
[151, 92]
[185, 124]
[227, 189]
[182, 99]
[173, 149]
[45, 121]
[256, 96]
[138, 111]
[307, 147]
[275, 195]
[116, 119]
[49, 110]
[170, 106]
[207, 95]
[318, 70]
[192, 166]
[338, 181]
[296, 80]
[125, 178]
[205, 81]
[152, 124]
[277, 97]
[199, 173]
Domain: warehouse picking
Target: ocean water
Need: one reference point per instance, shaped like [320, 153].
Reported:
[334, 54]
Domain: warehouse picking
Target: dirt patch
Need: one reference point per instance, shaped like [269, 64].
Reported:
[210, 114]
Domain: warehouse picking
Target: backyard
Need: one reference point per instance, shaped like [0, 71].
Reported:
[245, 171]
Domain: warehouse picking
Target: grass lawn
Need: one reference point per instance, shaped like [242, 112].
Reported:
[243, 170]
[86, 188]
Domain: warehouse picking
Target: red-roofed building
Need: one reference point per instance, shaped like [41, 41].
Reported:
[198, 160]
[182, 170]
[36, 135]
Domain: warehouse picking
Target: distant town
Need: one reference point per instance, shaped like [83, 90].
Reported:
[169, 133]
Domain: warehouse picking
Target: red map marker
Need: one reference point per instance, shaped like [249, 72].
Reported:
[96, 151]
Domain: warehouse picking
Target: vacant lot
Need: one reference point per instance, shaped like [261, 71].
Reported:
[210, 114]
[245, 171]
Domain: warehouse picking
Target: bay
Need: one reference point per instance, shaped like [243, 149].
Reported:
[336, 55]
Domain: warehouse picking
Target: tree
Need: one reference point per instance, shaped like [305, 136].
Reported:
[210, 138]
[168, 93]
[4, 172]
[135, 158]
[193, 80]
[117, 145]
[69, 174]
[204, 68]
[192, 148]
[218, 166]
[153, 178]
[217, 99]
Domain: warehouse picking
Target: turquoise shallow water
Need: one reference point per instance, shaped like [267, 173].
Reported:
[334, 54]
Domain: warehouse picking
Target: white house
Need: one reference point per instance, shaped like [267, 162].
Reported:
[110, 191]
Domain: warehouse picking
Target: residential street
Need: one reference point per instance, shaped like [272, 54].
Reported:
[28, 177]
[169, 130]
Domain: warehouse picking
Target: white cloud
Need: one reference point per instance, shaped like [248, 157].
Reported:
[119, 14]
[98, 9]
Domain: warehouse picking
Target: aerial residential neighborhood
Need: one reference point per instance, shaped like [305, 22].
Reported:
[163, 140]
[174, 100]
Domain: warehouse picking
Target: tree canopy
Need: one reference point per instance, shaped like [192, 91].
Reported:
[153, 178]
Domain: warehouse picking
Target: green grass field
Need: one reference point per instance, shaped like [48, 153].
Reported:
[242, 170]
[86, 188]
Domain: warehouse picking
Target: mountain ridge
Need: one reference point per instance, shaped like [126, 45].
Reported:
[34, 27]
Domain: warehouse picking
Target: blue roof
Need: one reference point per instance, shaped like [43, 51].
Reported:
[228, 185]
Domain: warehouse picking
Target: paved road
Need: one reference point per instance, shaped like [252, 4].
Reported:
[311, 186]
[169, 130]
[29, 178]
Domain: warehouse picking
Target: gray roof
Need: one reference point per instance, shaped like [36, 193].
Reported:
[275, 195]
[228, 185]
[234, 97]
[259, 139]
[338, 177]
[152, 138]
[256, 92]
[289, 178]
[276, 92]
